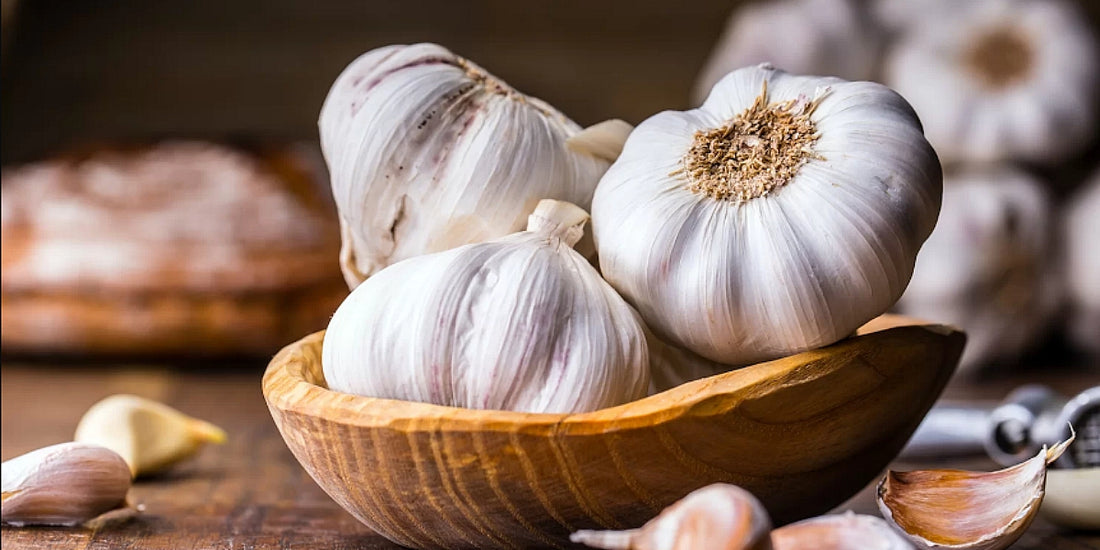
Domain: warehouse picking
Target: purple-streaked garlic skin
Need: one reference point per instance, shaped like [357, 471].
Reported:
[64, 484]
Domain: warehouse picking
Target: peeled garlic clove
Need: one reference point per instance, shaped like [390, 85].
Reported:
[521, 323]
[819, 37]
[987, 267]
[718, 516]
[64, 484]
[966, 510]
[427, 151]
[780, 216]
[1001, 80]
[150, 436]
[839, 532]
[1082, 256]
[1073, 498]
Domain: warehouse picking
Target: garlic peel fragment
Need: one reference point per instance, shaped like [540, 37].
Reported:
[64, 484]
[718, 516]
[967, 510]
[847, 531]
[150, 436]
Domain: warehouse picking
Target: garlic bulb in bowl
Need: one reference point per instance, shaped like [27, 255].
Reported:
[427, 152]
[1082, 228]
[521, 323]
[1001, 80]
[986, 267]
[778, 217]
[822, 37]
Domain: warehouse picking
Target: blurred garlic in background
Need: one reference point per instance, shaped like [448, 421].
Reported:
[1082, 242]
[812, 37]
[897, 15]
[987, 266]
[1000, 79]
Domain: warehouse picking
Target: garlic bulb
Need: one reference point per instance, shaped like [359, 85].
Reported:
[821, 37]
[899, 15]
[846, 531]
[718, 516]
[519, 323]
[63, 484]
[1082, 227]
[986, 268]
[966, 510]
[427, 152]
[780, 216]
[1001, 79]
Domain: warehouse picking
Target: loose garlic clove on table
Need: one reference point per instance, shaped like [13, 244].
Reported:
[150, 436]
[940, 509]
[839, 532]
[718, 517]
[64, 484]
[780, 216]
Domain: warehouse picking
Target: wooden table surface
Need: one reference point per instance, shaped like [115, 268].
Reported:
[250, 492]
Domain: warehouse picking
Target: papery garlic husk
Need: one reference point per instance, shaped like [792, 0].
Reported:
[1011, 80]
[966, 510]
[819, 37]
[988, 267]
[150, 436]
[846, 531]
[521, 323]
[427, 152]
[718, 517]
[1073, 498]
[63, 484]
[812, 235]
[1082, 255]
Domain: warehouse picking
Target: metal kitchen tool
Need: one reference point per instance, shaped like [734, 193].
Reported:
[1014, 430]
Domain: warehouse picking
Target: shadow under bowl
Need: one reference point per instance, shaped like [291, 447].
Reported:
[803, 433]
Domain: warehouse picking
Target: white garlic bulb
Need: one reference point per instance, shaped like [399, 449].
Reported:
[1082, 230]
[780, 216]
[1001, 79]
[900, 15]
[820, 37]
[520, 323]
[987, 266]
[427, 152]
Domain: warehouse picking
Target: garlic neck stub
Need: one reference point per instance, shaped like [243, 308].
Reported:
[988, 266]
[427, 151]
[520, 323]
[778, 217]
[1000, 80]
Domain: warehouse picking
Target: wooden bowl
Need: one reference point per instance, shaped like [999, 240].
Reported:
[803, 433]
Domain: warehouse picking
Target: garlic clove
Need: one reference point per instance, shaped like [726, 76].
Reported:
[718, 516]
[602, 140]
[966, 510]
[64, 484]
[839, 532]
[150, 436]
[1073, 498]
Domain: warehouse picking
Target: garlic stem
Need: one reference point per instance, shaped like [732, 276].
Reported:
[558, 219]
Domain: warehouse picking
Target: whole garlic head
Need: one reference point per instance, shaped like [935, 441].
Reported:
[987, 266]
[780, 216]
[1001, 79]
[1082, 228]
[427, 152]
[520, 323]
[820, 37]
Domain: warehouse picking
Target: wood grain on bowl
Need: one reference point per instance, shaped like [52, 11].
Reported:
[802, 433]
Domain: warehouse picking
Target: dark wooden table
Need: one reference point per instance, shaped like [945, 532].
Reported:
[251, 493]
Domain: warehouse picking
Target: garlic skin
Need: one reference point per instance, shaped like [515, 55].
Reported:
[988, 267]
[818, 37]
[1001, 80]
[846, 531]
[792, 249]
[63, 484]
[966, 510]
[718, 516]
[671, 366]
[520, 323]
[1082, 257]
[150, 436]
[427, 152]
